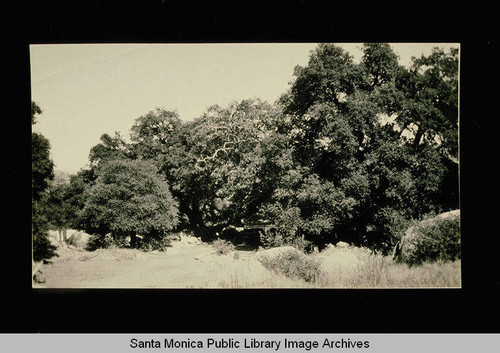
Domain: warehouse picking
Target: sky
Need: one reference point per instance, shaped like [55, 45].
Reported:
[86, 90]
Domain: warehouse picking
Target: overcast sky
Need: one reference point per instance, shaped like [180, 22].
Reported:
[88, 90]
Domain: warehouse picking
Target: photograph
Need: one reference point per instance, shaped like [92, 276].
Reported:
[290, 165]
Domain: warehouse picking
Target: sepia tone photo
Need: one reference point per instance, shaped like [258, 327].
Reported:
[256, 165]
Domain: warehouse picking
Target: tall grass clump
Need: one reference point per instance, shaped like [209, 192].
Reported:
[293, 264]
[355, 267]
[281, 237]
[373, 272]
[222, 247]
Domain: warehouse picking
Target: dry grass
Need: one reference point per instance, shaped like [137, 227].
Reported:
[377, 271]
[197, 265]
[246, 272]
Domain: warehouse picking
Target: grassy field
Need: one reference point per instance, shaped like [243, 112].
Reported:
[192, 264]
[377, 271]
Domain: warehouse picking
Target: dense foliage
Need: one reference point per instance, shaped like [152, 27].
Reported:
[129, 198]
[42, 172]
[430, 241]
[353, 151]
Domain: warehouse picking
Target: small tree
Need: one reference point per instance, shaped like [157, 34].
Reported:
[129, 197]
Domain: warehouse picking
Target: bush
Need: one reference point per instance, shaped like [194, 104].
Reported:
[42, 248]
[273, 238]
[98, 241]
[389, 227]
[433, 240]
[148, 243]
[222, 247]
[280, 237]
[293, 264]
[155, 243]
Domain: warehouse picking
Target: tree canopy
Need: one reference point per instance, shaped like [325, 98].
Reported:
[129, 198]
[376, 134]
[352, 151]
[42, 172]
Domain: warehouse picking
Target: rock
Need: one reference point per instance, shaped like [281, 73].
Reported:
[436, 238]
[79, 240]
[342, 244]
[37, 278]
[189, 240]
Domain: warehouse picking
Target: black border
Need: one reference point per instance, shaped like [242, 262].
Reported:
[474, 308]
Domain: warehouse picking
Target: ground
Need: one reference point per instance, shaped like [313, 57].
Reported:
[190, 263]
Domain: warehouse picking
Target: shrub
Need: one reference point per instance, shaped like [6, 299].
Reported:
[147, 243]
[155, 243]
[273, 238]
[388, 228]
[120, 242]
[42, 248]
[280, 237]
[293, 264]
[222, 247]
[98, 241]
[433, 240]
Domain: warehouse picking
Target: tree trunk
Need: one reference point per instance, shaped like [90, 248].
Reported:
[418, 137]
[195, 216]
[133, 241]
